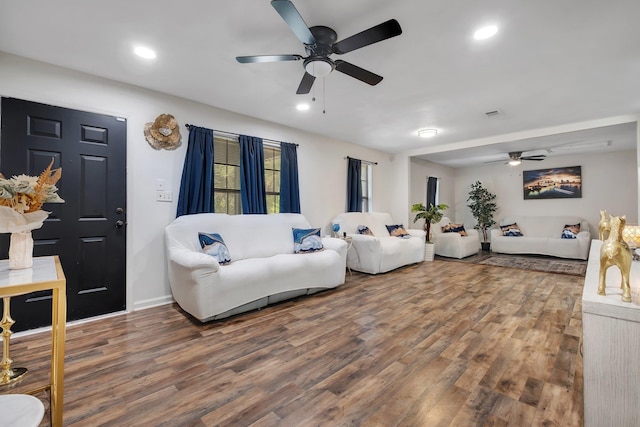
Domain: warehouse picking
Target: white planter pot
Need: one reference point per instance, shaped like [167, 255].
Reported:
[429, 251]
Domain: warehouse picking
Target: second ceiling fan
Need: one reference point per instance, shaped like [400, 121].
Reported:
[320, 42]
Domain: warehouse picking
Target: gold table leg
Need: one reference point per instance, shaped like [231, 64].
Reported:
[7, 374]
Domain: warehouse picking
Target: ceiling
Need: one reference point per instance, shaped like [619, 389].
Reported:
[550, 64]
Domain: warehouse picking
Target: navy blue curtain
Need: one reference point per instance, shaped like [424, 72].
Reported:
[252, 184]
[289, 188]
[354, 185]
[432, 188]
[196, 187]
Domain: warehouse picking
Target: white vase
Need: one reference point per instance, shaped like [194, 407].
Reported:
[21, 250]
[429, 251]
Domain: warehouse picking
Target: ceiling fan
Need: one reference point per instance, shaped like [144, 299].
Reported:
[320, 43]
[516, 157]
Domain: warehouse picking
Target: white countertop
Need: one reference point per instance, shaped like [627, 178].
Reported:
[610, 304]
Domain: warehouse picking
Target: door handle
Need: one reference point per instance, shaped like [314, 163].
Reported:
[119, 223]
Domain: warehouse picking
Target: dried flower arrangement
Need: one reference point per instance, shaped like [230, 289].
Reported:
[26, 194]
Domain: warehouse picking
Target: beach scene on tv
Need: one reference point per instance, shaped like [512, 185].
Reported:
[554, 183]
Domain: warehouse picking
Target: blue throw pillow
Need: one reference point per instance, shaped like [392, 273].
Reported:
[454, 228]
[363, 229]
[511, 230]
[306, 240]
[212, 244]
[398, 231]
[570, 231]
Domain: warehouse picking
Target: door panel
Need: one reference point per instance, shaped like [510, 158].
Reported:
[91, 149]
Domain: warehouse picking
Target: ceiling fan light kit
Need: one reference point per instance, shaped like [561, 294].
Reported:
[318, 67]
[320, 42]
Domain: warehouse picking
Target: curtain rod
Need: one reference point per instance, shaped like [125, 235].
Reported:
[188, 126]
[363, 161]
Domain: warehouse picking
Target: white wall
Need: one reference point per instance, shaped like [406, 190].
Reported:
[609, 181]
[420, 170]
[321, 160]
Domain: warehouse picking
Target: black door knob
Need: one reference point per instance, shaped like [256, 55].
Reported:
[119, 223]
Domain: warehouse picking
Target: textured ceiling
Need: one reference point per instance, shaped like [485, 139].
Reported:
[551, 62]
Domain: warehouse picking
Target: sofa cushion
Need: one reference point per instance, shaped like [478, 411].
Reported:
[511, 230]
[570, 231]
[364, 230]
[306, 240]
[212, 244]
[454, 228]
[398, 230]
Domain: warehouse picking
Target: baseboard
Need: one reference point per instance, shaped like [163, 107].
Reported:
[141, 305]
[153, 302]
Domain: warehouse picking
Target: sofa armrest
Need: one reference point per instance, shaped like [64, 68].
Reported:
[495, 232]
[584, 235]
[335, 244]
[473, 233]
[417, 233]
[192, 260]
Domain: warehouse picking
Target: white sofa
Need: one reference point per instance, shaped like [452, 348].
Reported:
[381, 252]
[264, 268]
[453, 245]
[541, 236]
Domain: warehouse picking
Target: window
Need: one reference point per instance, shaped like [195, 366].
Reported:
[226, 180]
[365, 177]
[272, 178]
[226, 175]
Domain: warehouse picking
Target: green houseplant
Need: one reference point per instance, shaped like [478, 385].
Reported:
[483, 206]
[431, 216]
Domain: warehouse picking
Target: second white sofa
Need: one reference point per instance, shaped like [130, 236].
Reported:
[454, 245]
[541, 235]
[379, 252]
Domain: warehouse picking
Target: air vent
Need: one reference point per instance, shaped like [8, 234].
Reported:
[493, 113]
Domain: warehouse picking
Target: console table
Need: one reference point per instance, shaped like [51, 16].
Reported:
[46, 274]
[610, 331]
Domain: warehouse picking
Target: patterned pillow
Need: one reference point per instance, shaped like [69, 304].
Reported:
[454, 228]
[398, 230]
[212, 244]
[306, 240]
[511, 230]
[570, 231]
[363, 229]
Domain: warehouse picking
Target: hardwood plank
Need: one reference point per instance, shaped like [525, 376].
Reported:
[438, 343]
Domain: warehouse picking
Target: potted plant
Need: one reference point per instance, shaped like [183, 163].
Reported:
[431, 216]
[482, 206]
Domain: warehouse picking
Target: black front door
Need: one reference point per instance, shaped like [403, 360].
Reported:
[88, 231]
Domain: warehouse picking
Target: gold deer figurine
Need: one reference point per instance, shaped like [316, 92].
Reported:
[604, 226]
[614, 251]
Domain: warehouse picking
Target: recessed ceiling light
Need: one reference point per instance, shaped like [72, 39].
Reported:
[144, 52]
[302, 107]
[427, 133]
[485, 32]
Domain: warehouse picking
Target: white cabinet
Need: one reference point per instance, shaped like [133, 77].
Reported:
[611, 348]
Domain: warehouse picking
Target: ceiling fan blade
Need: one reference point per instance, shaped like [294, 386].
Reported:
[267, 58]
[305, 84]
[380, 32]
[290, 14]
[358, 73]
[536, 158]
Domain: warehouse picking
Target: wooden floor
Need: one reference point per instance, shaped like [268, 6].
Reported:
[433, 344]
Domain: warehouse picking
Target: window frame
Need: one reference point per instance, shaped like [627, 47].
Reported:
[366, 172]
[275, 169]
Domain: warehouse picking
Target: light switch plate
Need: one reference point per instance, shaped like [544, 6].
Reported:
[164, 196]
